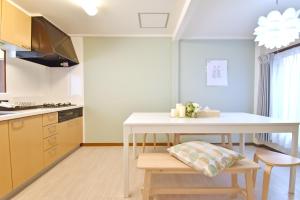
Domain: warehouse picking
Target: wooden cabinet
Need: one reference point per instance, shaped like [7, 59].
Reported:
[30, 144]
[50, 135]
[15, 26]
[50, 118]
[5, 166]
[70, 135]
[78, 131]
[26, 146]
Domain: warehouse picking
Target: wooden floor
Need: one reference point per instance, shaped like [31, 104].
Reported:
[95, 173]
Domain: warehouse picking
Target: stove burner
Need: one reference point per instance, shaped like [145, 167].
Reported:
[56, 105]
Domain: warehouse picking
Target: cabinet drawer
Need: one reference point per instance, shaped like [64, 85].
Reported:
[50, 130]
[50, 156]
[50, 118]
[50, 142]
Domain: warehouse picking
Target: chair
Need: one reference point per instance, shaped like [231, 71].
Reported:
[272, 159]
[154, 141]
[225, 144]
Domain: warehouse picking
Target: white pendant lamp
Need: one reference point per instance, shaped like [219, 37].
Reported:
[278, 30]
[89, 6]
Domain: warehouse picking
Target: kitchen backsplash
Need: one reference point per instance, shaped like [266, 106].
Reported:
[30, 82]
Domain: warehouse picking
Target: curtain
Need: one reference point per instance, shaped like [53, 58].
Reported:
[285, 91]
[263, 102]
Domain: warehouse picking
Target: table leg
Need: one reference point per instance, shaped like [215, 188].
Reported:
[242, 143]
[126, 162]
[294, 152]
[134, 146]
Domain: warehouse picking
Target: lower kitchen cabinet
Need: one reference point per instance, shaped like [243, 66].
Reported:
[70, 135]
[5, 166]
[30, 144]
[26, 145]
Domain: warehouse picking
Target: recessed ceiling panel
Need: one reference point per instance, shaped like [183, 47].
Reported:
[153, 20]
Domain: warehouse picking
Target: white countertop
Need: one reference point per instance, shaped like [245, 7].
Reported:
[31, 112]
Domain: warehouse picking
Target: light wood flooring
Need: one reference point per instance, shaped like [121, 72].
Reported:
[95, 173]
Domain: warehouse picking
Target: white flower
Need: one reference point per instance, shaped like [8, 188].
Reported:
[196, 105]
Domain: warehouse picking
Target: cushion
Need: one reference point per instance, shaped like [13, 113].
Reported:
[207, 158]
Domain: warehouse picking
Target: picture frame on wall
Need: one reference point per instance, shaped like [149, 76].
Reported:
[217, 72]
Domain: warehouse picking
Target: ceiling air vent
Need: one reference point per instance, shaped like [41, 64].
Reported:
[153, 20]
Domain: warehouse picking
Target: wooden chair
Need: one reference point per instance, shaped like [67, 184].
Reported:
[272, 159]
[225, 144]
[163, 163]
[154, 141]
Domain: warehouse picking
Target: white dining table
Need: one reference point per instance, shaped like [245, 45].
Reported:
[236, 123]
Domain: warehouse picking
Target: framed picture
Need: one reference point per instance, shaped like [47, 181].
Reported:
[217, 73]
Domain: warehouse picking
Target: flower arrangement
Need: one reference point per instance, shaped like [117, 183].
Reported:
[192, 109]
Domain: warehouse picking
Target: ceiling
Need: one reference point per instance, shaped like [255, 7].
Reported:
[230, 18]
[115, 17]
[202, 18]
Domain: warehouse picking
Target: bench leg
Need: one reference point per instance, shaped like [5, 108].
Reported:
[255, 159]
[234, 183]
[147, 185]
[266, 181]
[249, 185]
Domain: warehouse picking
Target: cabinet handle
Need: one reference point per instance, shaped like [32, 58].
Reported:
[17, 124]
[52, 129]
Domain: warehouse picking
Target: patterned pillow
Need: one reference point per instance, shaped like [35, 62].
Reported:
[205, 157]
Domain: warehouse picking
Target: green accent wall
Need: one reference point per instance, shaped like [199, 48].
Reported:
[121, 76]
[238, 95]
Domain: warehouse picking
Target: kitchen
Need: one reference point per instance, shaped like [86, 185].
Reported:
[73, 74]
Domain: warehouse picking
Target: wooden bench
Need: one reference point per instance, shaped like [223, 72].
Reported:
[163, 163]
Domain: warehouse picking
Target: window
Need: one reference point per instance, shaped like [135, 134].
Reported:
[2, 72]
[285, 91]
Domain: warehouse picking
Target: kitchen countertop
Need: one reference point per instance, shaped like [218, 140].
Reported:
[31, 112]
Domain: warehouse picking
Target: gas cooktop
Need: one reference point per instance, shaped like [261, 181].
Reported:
[27, 107]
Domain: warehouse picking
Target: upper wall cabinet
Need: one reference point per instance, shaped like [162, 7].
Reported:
[15, 26]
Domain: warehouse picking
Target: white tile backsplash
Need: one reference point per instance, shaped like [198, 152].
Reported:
[31, 82]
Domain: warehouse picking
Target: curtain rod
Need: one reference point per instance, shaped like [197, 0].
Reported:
[286, 48]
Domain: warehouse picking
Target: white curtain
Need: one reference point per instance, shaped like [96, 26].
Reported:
[285, 91]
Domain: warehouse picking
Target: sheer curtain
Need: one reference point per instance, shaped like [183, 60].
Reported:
[285, 91]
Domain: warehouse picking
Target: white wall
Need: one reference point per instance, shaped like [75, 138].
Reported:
[27, 81]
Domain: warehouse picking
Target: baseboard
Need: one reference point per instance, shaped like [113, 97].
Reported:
[119, 144]
[100, 144]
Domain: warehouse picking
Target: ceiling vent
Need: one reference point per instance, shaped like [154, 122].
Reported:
[153, 20]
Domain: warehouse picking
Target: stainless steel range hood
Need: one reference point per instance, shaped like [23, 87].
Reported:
[49, 46]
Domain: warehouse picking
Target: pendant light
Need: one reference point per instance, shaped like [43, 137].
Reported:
[278, 30]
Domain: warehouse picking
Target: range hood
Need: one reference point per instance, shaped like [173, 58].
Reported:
[49, 45]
